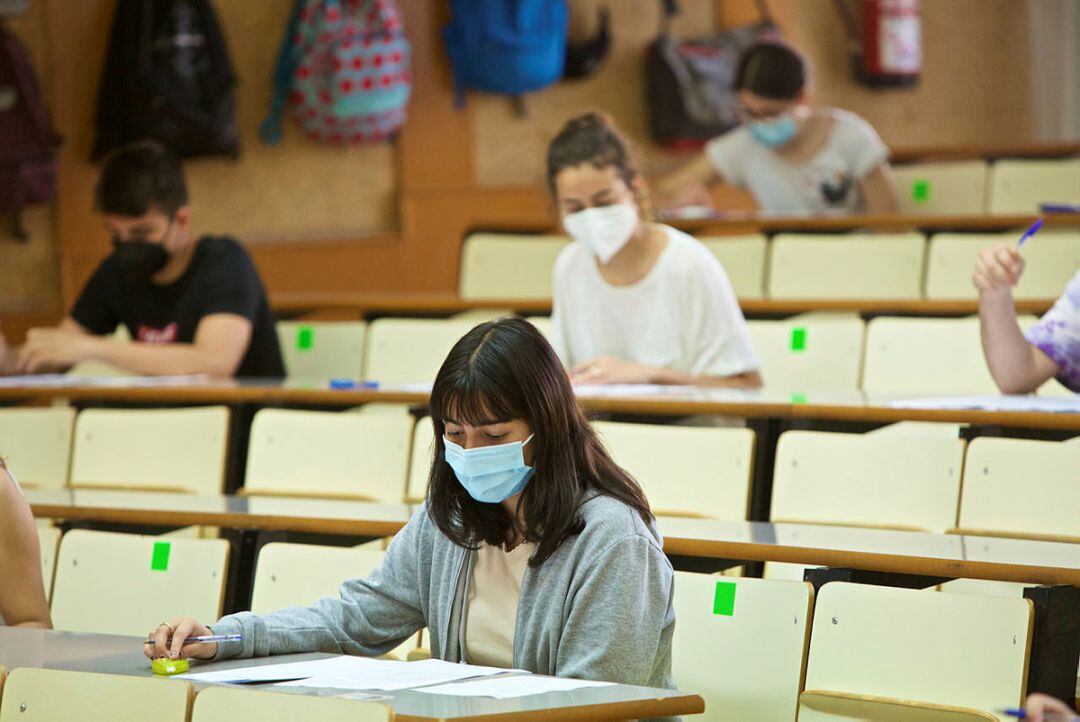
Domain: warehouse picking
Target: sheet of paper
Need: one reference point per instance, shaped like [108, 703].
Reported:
[361, 673]
[630, 389]
[68, 381]
[1046, 404]
[506, 687]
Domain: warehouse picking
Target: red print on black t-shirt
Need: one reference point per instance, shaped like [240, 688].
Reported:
[168, 334]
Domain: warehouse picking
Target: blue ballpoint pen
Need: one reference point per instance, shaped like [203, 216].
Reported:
[211, 638]
[1029, 233]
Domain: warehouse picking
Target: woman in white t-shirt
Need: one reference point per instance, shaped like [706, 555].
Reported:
[22, 595]
[635, 302]
[794, 158]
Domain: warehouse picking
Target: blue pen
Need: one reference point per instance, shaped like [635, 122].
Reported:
[208, 638]
[1029, 232]
[345, 384]
[1015, 712]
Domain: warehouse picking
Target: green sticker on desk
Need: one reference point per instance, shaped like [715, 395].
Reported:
[798, 339]
[159, 562]
[724, 600]
[920, 190]
[305, 338]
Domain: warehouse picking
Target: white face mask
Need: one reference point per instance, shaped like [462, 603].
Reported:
[604, 230]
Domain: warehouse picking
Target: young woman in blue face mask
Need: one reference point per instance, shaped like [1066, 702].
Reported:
[533, 550]
[634, 301]
[793, 157]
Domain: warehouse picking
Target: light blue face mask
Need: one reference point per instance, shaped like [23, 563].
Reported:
[775, 132]
[490, 474]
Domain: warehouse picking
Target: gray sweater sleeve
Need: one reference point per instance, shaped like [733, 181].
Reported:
[370, 617]
[621, 618]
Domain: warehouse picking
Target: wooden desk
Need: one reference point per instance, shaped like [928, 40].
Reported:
[108, 654]
[901, 552]
[984, 152]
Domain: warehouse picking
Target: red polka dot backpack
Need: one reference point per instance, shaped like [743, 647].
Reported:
[343, 72]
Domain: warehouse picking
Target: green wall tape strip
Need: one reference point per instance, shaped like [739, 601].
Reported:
[724, 600]
[160, 560]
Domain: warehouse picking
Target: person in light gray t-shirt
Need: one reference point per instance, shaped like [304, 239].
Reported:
[793, 157]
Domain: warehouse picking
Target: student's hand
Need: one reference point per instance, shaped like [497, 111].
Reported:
[997, 269]
[48, 349]
[1041, 708]
[608, 370]
[169, 640]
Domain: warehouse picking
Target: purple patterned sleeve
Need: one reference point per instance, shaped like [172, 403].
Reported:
[1057, 334]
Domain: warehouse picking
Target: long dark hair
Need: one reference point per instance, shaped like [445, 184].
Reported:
[505, 370]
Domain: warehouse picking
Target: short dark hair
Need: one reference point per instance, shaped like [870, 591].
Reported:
[773, 70]
[140, 177]
[504, 370]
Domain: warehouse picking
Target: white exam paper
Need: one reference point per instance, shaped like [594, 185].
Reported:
[507, 687]
[361, 673]
[1046, 404]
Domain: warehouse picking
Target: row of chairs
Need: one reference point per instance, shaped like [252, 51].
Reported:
[746, 644]
[901, 476]
[799, 266]
[817, 351]
[31, 695]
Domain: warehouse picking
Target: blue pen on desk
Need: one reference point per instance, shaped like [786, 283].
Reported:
[346, 384]
[210, 638]
[1015, 712]
[1029, 233]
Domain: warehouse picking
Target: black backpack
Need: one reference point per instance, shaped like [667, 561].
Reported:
[27, 141]
[168, 77]
[689, 81]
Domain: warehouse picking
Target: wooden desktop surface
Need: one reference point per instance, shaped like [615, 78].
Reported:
[908, 552]
[111, 654]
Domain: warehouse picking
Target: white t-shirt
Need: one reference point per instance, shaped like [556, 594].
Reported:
[827, 182]
[682, 315]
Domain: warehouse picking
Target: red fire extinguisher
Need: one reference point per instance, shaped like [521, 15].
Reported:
[885, 43]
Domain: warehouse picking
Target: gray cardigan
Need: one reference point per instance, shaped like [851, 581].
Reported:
[599, 608]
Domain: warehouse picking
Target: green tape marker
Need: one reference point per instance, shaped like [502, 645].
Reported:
[920, 190]
[305, 338]
[724, 600]
[159, 562]
[798, 398]
[798, 339]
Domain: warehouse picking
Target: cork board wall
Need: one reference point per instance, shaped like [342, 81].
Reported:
[975, 87]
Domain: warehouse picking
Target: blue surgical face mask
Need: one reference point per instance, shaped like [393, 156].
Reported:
[776, 132]
[490, 474]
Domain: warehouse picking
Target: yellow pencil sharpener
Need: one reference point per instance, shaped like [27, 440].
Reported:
[166, 666]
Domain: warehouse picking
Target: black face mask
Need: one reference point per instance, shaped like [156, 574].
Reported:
[139, 260]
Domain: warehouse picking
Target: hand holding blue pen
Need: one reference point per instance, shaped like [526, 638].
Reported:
[215, 638]
[1043, 708]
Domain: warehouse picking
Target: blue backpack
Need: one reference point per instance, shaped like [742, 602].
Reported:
[506, 46]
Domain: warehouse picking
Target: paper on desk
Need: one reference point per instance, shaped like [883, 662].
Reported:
[68, 381]
[629, 389]
[362, 673]
[1046, 404]
[513, 686]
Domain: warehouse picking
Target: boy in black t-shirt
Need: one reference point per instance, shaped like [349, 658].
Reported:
[191, 306]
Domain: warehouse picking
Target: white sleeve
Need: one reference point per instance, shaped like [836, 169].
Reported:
[560, 334]
[720, 340]
[726, 155]
[863, 148]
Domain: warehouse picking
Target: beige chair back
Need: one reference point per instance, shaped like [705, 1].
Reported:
[812, 351]
[510, 266]
[54, 695]
[36, 445]
[153, 449]
[850, 266]
[914, 649]
[322, 350]
[111, 583]
[949, 187]
[741, 644]
[329, 454]
[743, 258]
[685, 470]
